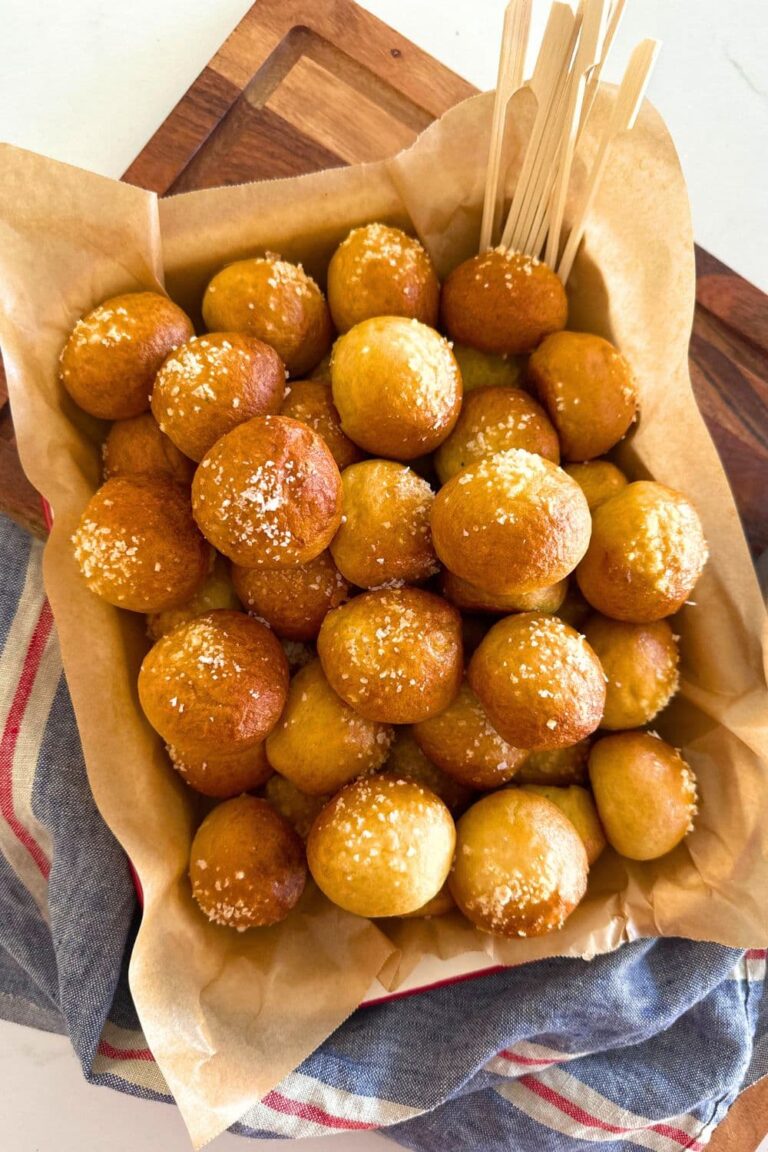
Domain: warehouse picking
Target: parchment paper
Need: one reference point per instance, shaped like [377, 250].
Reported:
[226, 1015]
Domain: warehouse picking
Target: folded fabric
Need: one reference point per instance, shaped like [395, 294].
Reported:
[647, 1046]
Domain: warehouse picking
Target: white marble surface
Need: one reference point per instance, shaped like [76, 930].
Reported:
[89, 82]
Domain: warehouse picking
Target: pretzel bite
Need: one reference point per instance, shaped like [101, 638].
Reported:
[222, 775]
[215, 592]
[462, 742]
[137, 447]
[379, 271]
[216, 685]
[110, 361]
[268, 494]
[213, 383]
[492, 420]
[539, 681]
[577, 804]
[473, 629]
[322, 371]
[598, 480]
[502, 302]
[511, 523]
[484, 370]
[556, 766]
[137, 545]
[293, 601]
[320, 743]
[382, 847]
[396, 385]
[586, 386]
[574, 609]
[385, 533]
[645, 556]
[297, 807]
[297, 653]
[407, 761]
[311, 402]
[645, 793]
[276, 302]
[393, 655]
[640, 662]
[521, 867]
[439, 905]
[246, 865]
[469, 598]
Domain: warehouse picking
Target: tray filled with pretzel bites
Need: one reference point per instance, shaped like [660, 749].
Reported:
[410, 624]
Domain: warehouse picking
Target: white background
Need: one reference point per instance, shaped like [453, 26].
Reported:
[88, 81]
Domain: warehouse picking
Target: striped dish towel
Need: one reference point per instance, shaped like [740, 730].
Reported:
[644, 1048]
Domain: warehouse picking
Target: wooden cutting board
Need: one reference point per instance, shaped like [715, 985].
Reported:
[302, 85]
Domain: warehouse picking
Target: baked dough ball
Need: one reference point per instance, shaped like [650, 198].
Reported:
[137, 545]
[396, 385]
[223, 775]
[297, 807]
[276, 302]
[539, 681]
[492, 420]
[598, 480]
[521, 867]
[473, 631]
[379, 271]
[137, 447]
[385, 533]
[216, 685]
[293, 601]
[322, 372]
[407, 761]
[502, 302]
[645, 793]
[577, 804]
[110, 361]
[393, 655]
[215, 592]
[586, 386]
[511, 523]
[484, 370]
[640, 662]
[439, 905]
[298, 654]
[645, 556]
[320, 743]
[211, 384]
[382, 847]
[311, 402]
[246, 865]
[574, 608]
[462, 741]
[556, 766]
[469, 598]
[268, 494]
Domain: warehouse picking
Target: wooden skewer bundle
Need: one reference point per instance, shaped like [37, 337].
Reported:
[565, 81]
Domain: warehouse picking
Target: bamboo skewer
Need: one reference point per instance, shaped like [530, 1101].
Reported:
[534, 224]
[587, 55]
[514, 41]
[544, 86]
[623, 116]
[546, 168]
[565, 83]
[593, 83]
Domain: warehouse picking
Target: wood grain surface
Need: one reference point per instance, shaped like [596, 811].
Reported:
[302, 85]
